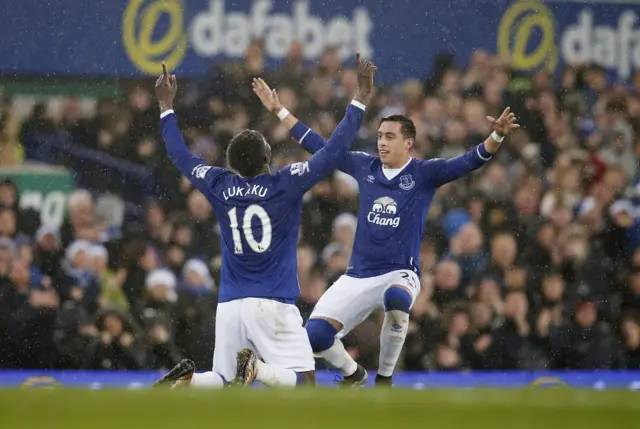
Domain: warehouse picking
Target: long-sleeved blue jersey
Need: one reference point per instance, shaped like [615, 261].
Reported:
[260, 216]
[392, 214]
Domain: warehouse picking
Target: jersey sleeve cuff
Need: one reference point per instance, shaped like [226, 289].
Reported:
[358, 104]
[299, 131]
[166, 113]
[483, 154]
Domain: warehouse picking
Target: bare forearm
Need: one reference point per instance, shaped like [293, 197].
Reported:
[492, 145]
[164, 106]
[290, 121]
[363, 96]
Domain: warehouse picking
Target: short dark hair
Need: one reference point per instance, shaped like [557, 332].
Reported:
[248, 153]
[407, 127]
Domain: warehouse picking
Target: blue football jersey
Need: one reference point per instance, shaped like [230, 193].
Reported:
[260, 216]
[392, 213]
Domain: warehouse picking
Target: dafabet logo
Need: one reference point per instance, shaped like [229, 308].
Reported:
[529, 34]
[156, 31]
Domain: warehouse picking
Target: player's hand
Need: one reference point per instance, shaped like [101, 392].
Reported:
[166, 88]
[505, 124]
[366, 71]
[267, 96]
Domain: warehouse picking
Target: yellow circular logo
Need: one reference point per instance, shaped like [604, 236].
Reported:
[141, 17]
[42, 382]
[548, 382]
[518, 29]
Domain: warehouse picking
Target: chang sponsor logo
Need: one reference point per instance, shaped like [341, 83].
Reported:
[383, 213]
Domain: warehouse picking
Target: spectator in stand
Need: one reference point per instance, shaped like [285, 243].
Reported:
[447, 291]
[195, 313]
[586, 342]
[630, 327]
[120, 343]
[78, 282]
[81, 223]
[27, 220]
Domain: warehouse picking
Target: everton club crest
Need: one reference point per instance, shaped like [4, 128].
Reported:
[406, 182]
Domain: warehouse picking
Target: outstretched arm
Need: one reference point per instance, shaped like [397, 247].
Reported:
[304, 175]
[448, 170]
[192, 167]
[310, 140]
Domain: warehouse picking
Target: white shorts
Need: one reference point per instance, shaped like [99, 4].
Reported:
[350, 300]
[271, 328]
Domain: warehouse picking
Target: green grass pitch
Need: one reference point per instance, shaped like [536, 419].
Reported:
[321, 408]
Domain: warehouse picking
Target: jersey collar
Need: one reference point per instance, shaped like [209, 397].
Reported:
[399, 170]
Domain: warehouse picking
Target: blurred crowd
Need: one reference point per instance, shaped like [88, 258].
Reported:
[531, 262]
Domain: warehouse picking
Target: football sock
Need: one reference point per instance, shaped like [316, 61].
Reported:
[210, 380]
[392, 336]
[274, 376]
[337, 357]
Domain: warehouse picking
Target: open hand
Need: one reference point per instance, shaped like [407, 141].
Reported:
[267, 96]
[366, 71]
[166, 88]
[505, 124]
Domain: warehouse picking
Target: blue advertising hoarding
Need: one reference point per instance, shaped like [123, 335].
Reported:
[599, 380]
[132, 37]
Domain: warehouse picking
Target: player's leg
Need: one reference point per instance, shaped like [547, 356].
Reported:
[398, 299]
[208, 380]
[275, 329]
[322, 334]
[231, 337]
[343, 306]
[251, 368]
[183, 375]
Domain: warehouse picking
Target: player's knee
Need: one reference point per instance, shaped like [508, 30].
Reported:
[397, 298]
[321, 334]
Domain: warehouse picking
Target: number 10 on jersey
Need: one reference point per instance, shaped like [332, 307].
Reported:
[257, 246]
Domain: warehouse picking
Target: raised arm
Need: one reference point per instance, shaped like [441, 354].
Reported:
[447, 170]
[310, 140]
[192, 167]
[306, 174]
